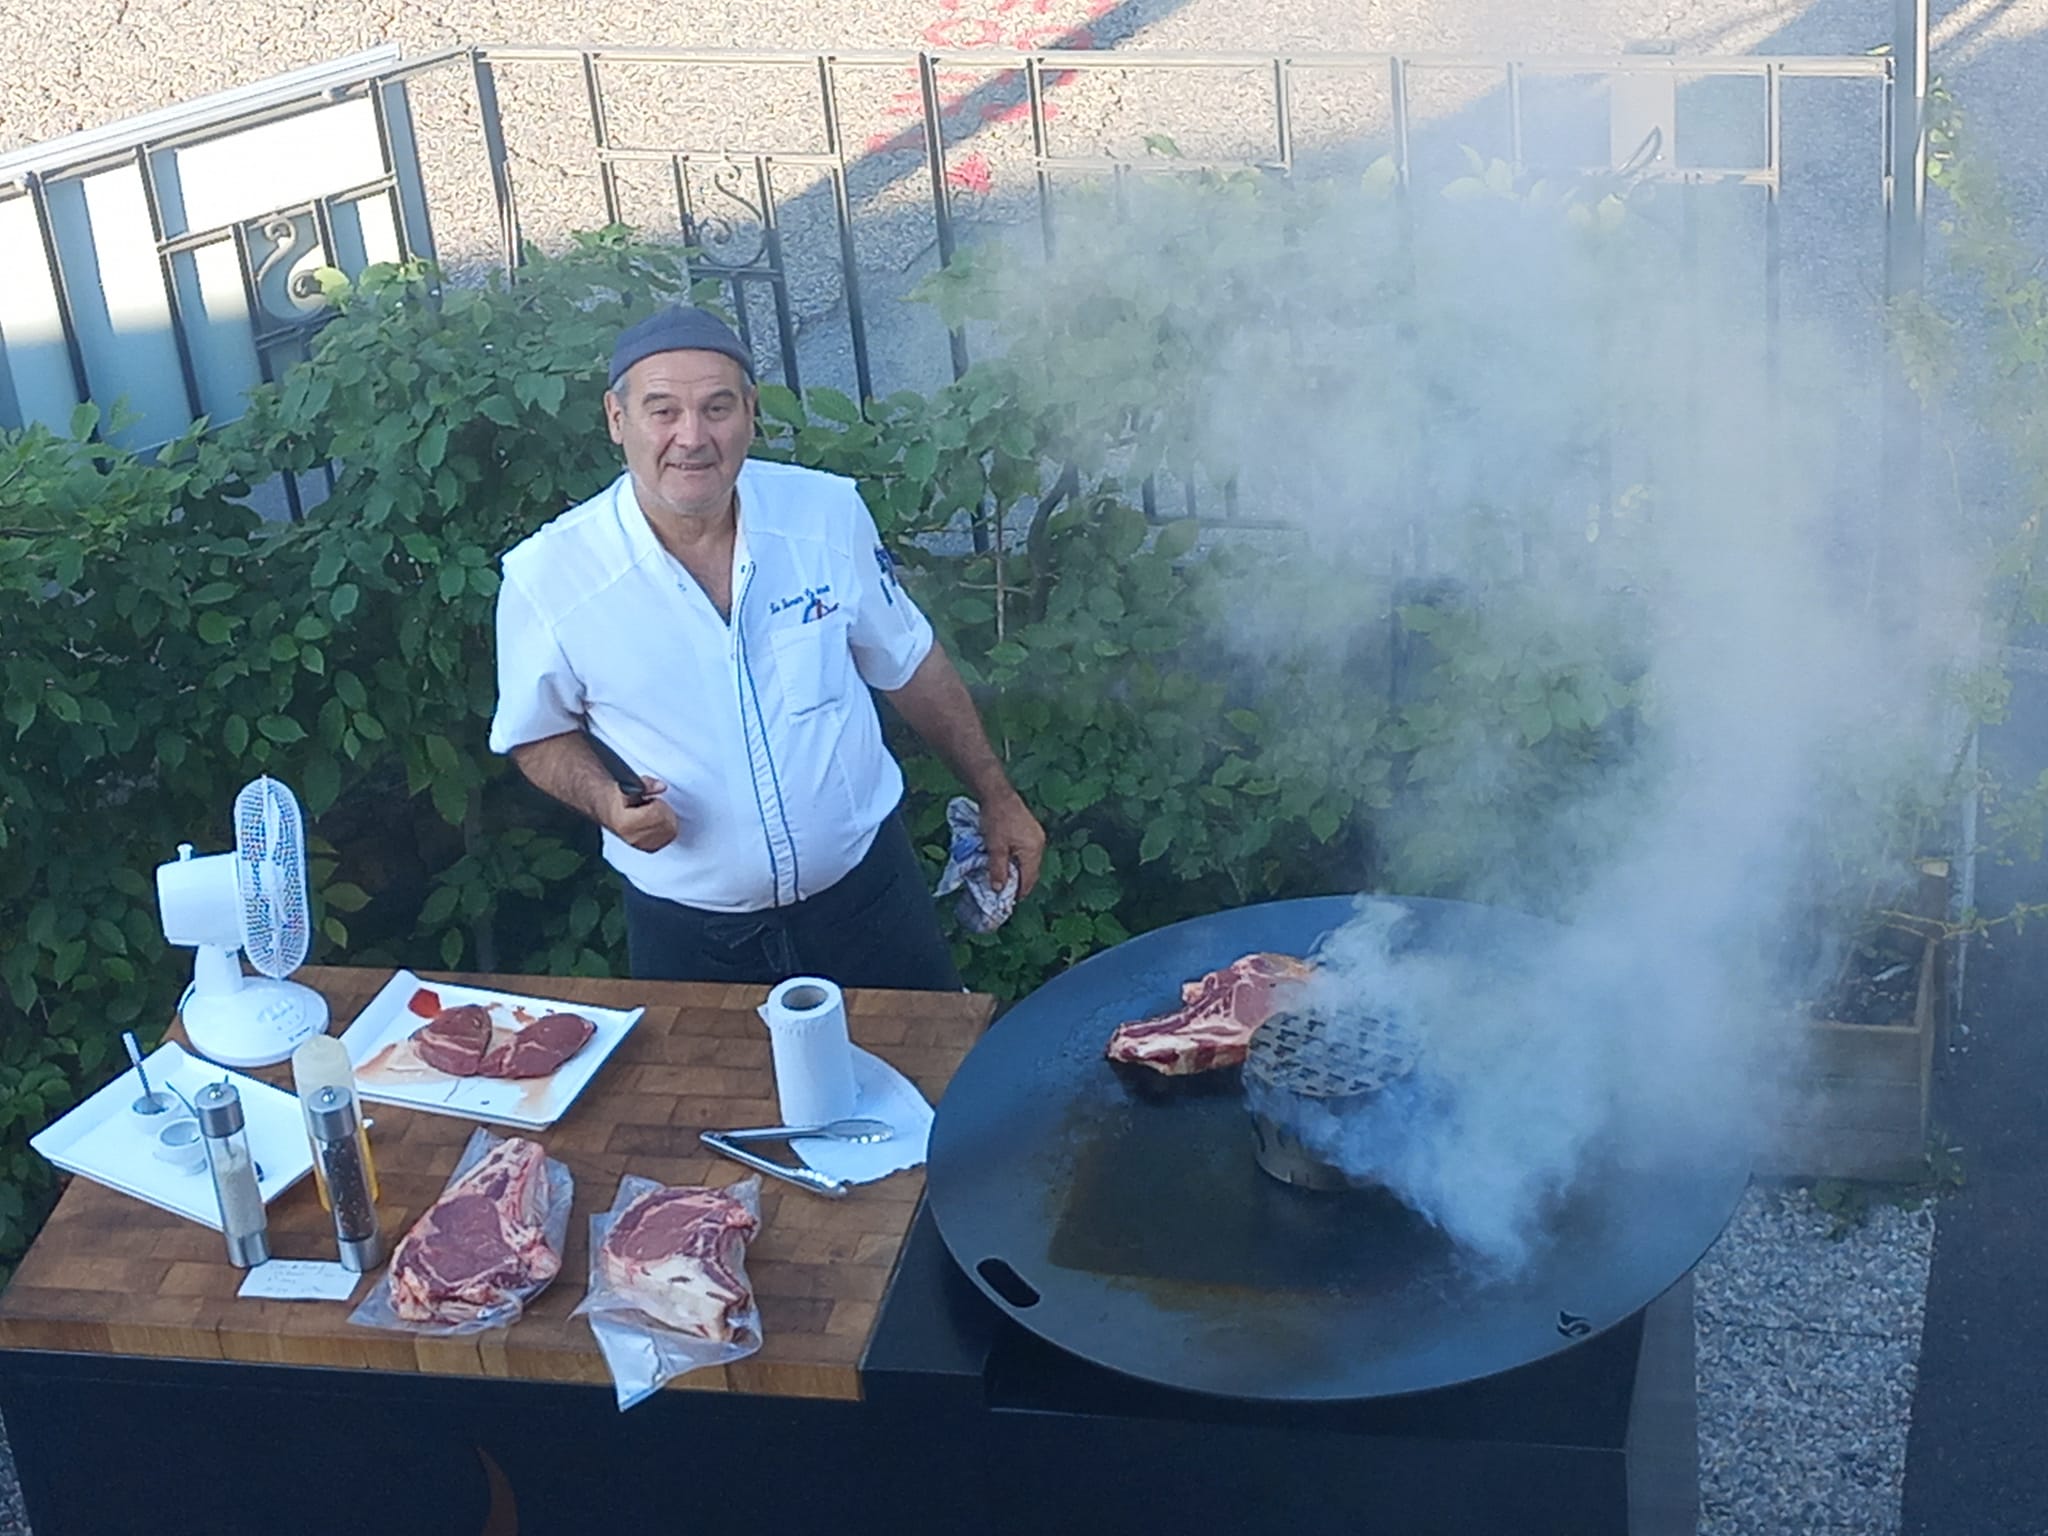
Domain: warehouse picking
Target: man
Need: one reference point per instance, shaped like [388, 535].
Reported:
[717, 622]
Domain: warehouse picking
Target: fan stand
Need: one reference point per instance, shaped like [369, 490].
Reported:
[246, 1021]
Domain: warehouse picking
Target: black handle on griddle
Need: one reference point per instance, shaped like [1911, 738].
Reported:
[615, 765]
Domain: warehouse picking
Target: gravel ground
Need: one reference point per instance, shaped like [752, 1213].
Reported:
[1808, 1350]
[1808, 1343]
[13, 1518]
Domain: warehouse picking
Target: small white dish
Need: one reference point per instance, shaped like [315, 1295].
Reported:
[182, 1145]
[149, 1113]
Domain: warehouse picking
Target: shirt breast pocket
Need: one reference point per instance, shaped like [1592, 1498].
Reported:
[812, 662]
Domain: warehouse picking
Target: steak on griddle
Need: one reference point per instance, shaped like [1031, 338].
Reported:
[455, 1040]
[677, 1255]
[482, 1245]
[539, 1048]
[1218, 1016]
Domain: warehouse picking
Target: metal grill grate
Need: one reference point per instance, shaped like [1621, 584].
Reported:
[1332, 1058]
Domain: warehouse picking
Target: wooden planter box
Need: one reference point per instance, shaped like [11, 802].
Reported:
[1854, 1099]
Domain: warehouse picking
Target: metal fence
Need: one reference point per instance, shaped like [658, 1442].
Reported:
[782, 226]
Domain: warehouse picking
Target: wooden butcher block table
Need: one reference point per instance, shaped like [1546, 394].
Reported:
[117, 1292]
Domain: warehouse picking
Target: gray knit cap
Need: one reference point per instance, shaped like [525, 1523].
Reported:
[677, 328]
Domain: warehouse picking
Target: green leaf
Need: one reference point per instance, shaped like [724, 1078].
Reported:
[214, 629]
[85, 420]
[1534, 721]
[441, 753]
[1323, 823]
[1177, 538]
[213, 592]
[433, 447]
[344, 897]
[320, 783]
[832, 405]
[343, 599]
[281, 729]
[1095, 859]
[235, 735]
[780, 403]
[451, 799]
[439, 906]
[557, 863]
[1158, 838]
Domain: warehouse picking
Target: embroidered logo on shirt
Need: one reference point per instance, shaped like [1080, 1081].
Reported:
[812, 601]
[887, 565]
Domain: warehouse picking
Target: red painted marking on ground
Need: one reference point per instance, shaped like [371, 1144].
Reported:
[971, 173]
[967, 100]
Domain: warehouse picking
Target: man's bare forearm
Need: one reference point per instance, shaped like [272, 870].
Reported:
[937, 705]
[565, 767]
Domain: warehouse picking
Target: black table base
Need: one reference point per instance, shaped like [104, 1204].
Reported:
[971, 1426]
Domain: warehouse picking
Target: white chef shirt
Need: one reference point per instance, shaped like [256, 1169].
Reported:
[770, 747]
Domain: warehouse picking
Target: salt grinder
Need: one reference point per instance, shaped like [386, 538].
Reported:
[331, 1112]
[242, 1220]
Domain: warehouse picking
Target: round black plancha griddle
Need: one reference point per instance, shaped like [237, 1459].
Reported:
[1139, 1234]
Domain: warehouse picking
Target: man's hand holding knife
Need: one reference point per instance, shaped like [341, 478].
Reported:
[639, 816]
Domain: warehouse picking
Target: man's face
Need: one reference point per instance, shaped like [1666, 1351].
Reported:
[685, 420]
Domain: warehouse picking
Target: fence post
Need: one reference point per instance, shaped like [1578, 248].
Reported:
[1904, 253]
[496, 153]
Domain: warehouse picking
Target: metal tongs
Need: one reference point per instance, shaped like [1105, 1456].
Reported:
[802, 1176]
[857, 1131]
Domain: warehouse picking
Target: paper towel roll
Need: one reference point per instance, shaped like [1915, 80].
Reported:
[806, 1019]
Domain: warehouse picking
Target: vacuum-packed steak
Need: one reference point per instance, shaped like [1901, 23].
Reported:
[1217, 1018]
[539, 1048]
[482, 1244]
[455, 1040]
[676, 1254]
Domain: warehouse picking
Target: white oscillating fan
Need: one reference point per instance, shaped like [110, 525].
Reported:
[253, 900]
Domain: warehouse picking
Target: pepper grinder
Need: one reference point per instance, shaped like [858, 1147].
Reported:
[339, 1151]
[242, 1220]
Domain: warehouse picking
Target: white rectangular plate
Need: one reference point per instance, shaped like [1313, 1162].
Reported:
[100, 1141]
[531, 1104]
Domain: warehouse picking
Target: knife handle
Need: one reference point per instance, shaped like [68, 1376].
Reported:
[802, 1177]
[621, 771]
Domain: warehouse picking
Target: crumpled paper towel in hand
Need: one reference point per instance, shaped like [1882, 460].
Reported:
[982, 908]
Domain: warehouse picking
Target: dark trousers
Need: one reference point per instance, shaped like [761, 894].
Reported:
[878, 927]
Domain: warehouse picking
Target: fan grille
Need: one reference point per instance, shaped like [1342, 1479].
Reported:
[270, 865]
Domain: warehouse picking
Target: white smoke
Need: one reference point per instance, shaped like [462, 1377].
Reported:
[1529, 418]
